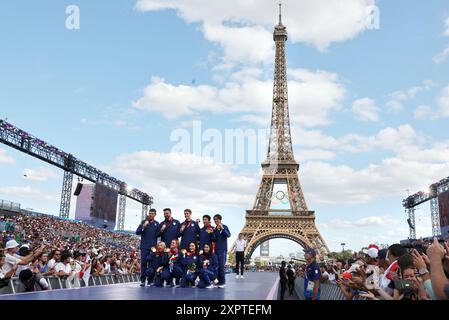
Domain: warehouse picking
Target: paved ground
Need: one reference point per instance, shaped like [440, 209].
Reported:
[255, 286]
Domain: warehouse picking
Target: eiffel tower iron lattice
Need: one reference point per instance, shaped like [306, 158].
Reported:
[263, 222]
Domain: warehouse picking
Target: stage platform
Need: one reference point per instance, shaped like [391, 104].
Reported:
[255, 286]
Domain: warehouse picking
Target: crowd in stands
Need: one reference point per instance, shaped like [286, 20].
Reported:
[36, 246]
[415, 271]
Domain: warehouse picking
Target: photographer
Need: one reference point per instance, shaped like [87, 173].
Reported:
[408, 286]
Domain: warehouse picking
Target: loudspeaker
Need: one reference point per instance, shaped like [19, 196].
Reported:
[410, 224]
[78, 189]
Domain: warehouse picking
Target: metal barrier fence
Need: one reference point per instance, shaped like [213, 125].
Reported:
[329, 291]
[57, 283]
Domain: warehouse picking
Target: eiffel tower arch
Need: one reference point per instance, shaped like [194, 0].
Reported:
[266, 221]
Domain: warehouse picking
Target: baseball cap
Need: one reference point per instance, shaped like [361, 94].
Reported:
[11, 244]
[372, 251]
[310, 251]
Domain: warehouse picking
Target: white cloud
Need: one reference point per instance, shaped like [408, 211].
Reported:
[398, 98]
[366, 110]
[446, 24]
[27, 192]
[243, 44]
[443, 102]
[245, 94]
[185, 180]
[5, 159]
[392, 139]
[229, 23]
[40, 174]
[315, 154]
[442, 56]
[423, 112]
[370, 221]
[328, 183]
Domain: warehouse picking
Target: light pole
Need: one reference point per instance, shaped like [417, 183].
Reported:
[343, 247]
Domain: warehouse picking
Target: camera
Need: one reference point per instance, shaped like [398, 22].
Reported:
[403, 285]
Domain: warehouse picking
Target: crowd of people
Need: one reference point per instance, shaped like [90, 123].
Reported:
[186, 255]
[36, 246]
[418, 271]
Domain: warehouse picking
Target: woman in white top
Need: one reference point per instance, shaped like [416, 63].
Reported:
[240, 246]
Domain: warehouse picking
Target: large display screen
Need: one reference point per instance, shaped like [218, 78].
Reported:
[443, 201]
[105, 203]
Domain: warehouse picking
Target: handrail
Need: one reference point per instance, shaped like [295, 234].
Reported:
[329, 291]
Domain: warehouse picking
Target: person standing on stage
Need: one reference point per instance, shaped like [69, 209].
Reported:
[240, 246]
[189, 231]
[207, 235]
[169, 228]
[148, 231]
[222, 234]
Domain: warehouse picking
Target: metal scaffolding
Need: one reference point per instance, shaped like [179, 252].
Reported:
[434, 210]
[423, 196]
[121, 212]
[66, 194]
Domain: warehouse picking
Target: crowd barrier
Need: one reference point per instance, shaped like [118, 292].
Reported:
[329, 291]
[57, 283]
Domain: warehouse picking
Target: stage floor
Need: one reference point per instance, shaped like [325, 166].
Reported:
[255, 286]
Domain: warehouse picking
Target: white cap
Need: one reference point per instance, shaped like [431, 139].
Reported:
[11, 244]
[372, 252]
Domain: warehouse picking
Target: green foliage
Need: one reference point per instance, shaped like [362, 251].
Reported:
[342, 255]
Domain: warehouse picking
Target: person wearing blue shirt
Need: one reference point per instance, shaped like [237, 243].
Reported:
[190, 265]
[222, 234]
[174, 270]
[148, 231]
[312, 289]
[169, 228]
[157, 261]
[207, 235]
[207, 267]
[189, 231]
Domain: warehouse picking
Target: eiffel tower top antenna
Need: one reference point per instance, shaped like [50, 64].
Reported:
[280, 13]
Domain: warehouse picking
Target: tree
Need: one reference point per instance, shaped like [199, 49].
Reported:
[347, 254]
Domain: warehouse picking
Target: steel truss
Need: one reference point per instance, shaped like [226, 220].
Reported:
[429, 195]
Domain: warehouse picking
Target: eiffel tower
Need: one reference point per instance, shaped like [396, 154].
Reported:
[263, 222]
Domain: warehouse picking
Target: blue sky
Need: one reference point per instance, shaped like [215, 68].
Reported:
[369, 108]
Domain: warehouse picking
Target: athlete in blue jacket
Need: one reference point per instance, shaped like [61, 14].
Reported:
[157, 260]
[207, 235]
[174, 269]
[169, 228]
[190, 263]
[148, 231]
[189, 230]
[222, 234]
[207, 268]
